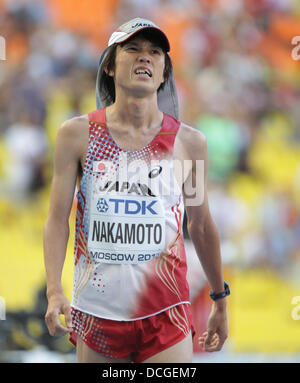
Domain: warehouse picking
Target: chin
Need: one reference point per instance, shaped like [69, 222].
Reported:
[143, 90]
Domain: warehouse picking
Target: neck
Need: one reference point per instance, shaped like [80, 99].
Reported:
[134, 112]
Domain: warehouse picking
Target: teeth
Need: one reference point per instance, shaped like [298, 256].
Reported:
[142, 71]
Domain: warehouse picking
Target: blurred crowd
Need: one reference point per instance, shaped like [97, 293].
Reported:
[236, 80]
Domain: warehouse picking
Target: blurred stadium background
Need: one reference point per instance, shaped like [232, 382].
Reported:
[237, 82]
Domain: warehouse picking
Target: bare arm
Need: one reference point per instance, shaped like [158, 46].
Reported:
[200, 224]
[204, 234]
[56, 231]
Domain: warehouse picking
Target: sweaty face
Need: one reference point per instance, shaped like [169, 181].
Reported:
[139, 66]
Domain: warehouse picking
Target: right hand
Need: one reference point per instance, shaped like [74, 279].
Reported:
[58, 304]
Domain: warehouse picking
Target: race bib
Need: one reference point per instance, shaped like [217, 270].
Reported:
[125, 228]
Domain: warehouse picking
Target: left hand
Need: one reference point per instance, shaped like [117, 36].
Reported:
[217, 328]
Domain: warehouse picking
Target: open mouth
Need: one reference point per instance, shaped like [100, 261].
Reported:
[143, 71]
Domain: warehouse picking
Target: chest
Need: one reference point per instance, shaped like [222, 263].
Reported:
[132, 141]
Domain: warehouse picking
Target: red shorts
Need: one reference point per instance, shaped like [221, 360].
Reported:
[138, 339]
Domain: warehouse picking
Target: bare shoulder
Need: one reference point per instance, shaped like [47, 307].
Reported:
[72, 137]
[74, 126]
[190, 142]
[74, 131]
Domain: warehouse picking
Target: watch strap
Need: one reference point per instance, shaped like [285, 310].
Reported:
[222, 294]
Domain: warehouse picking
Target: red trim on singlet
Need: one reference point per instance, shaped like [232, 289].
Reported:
[164, 139]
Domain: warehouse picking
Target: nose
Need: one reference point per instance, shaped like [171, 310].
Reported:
[143, 58]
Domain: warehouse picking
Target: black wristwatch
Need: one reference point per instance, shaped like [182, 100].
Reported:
[223, 294]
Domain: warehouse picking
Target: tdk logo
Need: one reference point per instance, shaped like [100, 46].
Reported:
[102, 205]
[121, 206]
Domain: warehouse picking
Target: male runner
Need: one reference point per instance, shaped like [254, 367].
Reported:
[130, 296]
